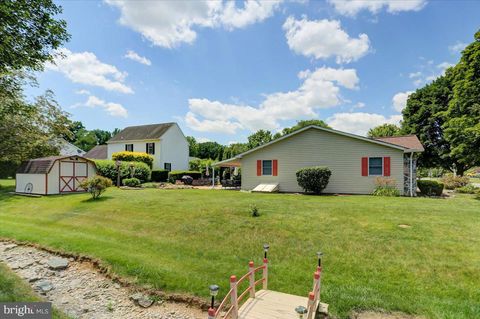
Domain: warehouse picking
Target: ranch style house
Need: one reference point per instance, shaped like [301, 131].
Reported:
[355, 161]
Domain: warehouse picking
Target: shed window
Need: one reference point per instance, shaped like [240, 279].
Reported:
[267, 167]
[129, 147]
[151, 148]
[375, 166]
[168, 166]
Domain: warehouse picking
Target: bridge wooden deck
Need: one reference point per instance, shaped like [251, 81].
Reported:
[269, 304]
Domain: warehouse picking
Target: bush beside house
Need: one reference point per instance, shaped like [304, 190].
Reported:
[313, 179]
[430, 188]
[133, 157]
[108, 169]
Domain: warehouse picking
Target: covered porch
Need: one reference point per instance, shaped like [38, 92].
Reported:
[231, 179]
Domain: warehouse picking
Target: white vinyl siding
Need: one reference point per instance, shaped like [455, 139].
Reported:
[342, 154]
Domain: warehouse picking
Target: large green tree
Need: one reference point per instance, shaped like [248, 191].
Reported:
[304, 123]
[210, 150]
[27, 130]
[384, 130]
[29, 32]
[462, 125]
[258, 138]
[445, 115]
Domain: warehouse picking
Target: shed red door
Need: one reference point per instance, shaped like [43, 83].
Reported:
[72, 173]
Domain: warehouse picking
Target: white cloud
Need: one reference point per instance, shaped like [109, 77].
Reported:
[399, 100]
[352, 7]
[359, 123]
[429, 72]
[132, 55]
[322, 39]
[320, 89]
[457, 47]
[170, 23]
[114, 109]
[82, 92]
[85, 68]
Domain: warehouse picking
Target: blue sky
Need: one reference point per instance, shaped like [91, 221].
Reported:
[225, 69]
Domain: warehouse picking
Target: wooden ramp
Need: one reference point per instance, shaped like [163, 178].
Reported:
[269, 304]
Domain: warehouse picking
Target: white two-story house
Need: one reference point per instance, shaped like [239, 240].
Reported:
[165, 142]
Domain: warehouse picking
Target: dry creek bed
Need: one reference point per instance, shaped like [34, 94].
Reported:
[81, 291]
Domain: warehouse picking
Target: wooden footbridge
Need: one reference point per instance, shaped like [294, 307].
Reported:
[264, 303]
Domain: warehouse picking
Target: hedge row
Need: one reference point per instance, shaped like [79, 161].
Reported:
[108, 169]
[160, 175]
[133, 157]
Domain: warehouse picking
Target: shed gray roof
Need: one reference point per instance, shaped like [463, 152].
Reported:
[42, 165]
[141, 132]
[98, 152]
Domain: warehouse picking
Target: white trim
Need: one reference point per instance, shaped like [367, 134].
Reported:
[383, 165]
[321, 129]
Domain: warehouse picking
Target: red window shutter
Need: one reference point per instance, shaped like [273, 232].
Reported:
[275, 167]
[386, 166]
[364, 166]
[259, 167]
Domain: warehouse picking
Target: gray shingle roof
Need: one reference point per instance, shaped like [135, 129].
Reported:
[142, 132]
[98, 152]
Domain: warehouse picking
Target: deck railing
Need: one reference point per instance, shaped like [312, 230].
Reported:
[232, 295]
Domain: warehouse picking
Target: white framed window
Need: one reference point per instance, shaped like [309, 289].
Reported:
[129, 147]
[375, 166]
[267, 167]
[150, 148]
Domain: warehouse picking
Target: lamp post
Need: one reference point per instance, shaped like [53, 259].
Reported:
[265, 250]
[319, 255]
[301, 311]
[117, 164]
[213, 292]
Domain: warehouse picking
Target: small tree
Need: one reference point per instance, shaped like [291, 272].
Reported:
[313, 179]
[96, 185]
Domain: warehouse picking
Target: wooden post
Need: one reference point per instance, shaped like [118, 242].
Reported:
[211, 313]
[233, 296]
[311, 306]
[316, 289]
[265, 273]
[319, 270]
[252, 279]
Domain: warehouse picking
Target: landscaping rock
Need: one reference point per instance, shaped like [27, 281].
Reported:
[145, 302]
[45, 285]
[58, 263]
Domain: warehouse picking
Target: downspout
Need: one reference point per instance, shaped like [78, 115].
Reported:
[411, 174]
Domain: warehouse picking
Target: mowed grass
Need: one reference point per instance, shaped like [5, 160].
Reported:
[13, 288]
[183, 240]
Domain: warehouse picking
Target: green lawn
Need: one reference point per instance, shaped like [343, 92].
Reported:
[184, 240]
[12, 288]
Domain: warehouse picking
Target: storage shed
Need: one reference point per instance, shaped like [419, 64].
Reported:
[53, 175]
